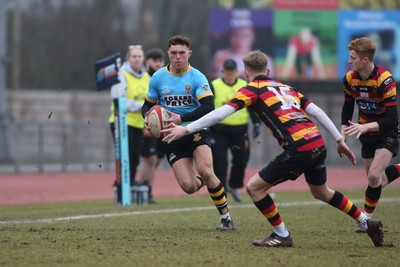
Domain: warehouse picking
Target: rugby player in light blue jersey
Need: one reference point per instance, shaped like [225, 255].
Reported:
[184, 91]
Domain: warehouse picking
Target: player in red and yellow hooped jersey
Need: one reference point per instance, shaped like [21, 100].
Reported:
[286, 113]
[373, 89]
[373, 96]
[281, 108]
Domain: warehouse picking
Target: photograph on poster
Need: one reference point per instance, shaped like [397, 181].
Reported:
[305, 44]
[304, 56]
[229, 4]
[235, 32]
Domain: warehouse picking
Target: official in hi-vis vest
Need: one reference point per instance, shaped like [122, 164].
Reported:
[134, 83]
[232, 132]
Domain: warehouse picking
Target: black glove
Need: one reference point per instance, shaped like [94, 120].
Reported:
[256, 130]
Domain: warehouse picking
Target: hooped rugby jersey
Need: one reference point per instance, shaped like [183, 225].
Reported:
[281, 109]
[372, 95]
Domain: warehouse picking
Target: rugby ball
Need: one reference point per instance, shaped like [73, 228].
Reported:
[156, 120]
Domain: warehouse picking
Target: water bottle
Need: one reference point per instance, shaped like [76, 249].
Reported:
[145, 194]
[116, 195]
[134, 195]
[140, 194]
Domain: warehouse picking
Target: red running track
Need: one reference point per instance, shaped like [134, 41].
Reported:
[62, 187]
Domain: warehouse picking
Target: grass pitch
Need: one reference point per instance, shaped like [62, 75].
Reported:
[181, 232]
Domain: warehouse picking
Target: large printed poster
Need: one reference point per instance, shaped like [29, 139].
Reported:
[304, 39]
[305, 44]
[380, 25]
[235, 32]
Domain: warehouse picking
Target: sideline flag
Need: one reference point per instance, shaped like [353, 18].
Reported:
[106, 74]
[106, 71]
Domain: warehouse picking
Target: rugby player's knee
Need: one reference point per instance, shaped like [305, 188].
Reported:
[374, 179]
[206, 173]
[251, 189]
[322, 193]
[189, 188]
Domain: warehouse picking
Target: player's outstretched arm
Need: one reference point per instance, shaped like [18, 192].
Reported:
[344, 150]
[320, 115]
[322, 118]
[174, 132]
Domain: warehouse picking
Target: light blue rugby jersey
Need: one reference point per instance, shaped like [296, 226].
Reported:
[178, 93]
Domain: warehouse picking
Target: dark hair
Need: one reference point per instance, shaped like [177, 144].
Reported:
[179, 40]
[155, 53]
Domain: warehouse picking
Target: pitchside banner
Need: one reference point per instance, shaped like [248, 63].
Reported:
[383, 26]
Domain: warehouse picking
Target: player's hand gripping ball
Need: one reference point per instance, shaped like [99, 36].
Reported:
[155, 120]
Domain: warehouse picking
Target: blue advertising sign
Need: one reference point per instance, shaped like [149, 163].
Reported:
[380, 25]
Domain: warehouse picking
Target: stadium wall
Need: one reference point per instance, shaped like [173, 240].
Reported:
[57, 130]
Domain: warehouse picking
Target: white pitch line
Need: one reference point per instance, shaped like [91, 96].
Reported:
[146, 212]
